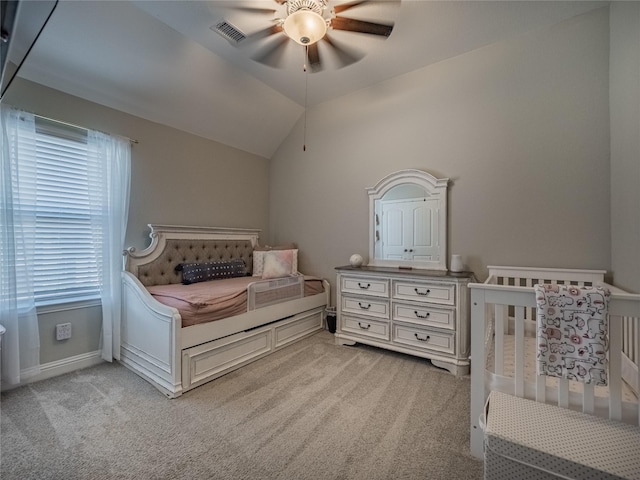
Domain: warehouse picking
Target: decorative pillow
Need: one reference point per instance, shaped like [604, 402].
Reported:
[202, 272]
[258, 257]
[279, 263]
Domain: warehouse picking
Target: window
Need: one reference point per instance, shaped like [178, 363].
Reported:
[59, 197]
[64, 199]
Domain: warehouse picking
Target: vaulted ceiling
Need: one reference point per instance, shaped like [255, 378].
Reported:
[162, 61]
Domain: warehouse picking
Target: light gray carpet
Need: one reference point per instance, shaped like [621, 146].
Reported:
[310, 411]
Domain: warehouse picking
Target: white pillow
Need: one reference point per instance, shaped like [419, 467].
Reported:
[278, 263]
[258, 260]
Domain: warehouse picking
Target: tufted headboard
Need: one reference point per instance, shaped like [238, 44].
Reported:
[172, 245]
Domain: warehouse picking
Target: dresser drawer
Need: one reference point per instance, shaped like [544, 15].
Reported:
[424, 292]
[371, 307]
[424, 315]
[365, 327]
[424, 338]
[365, 286]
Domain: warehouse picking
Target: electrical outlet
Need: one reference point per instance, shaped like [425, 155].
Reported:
[63, 331]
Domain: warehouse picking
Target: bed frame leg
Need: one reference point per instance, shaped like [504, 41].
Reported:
[341, 341]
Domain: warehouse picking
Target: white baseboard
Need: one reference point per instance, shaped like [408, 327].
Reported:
[59, 367]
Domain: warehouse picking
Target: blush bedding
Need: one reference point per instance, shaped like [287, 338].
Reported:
[215, 299]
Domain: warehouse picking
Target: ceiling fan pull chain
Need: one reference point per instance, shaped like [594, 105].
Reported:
[306, 89]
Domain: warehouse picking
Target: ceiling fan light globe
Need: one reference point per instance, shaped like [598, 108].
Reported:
[305, 27]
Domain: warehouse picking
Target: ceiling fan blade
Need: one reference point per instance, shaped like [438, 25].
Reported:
[345, 55]
[348, 6]
[271, 55]
[265, 11]
[360, 26]
[264, 33]
[313, 58]
[357, 3]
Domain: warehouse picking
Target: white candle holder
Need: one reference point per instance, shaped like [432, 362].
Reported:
[456, 263]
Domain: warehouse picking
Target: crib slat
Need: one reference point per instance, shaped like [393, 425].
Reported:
[626, 337]
[501, 324]
[519, 351]
[563, 393]
[634, 327]
[634, 340]
[541, 388]
[638, 393]
[530, 313]
[634, 334]
[588, 398]
[615, 367]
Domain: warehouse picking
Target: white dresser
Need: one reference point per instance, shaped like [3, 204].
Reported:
[419, 312]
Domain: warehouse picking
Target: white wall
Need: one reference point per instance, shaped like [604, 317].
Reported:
[177, 178]
[520, 127]
[625, 144]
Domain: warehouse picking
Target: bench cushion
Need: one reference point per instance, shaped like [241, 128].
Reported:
[528, 439]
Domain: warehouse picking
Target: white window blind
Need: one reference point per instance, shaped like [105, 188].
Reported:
[55, 194]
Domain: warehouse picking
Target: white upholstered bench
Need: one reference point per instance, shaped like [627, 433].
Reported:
[533, 440]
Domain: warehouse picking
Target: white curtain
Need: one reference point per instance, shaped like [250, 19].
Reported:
[21, 342]
[109, 167]
[111, 158]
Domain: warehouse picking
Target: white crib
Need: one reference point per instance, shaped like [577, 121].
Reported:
[503, 347]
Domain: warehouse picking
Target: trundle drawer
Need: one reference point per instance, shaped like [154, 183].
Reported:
[424, 315]
[213, 359]
[365, 286]
[425, 292]
[366, 327]
[299, 326]
[366, 306]
[424, 338]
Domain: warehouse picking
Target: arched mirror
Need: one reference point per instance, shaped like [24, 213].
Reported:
[408, 221]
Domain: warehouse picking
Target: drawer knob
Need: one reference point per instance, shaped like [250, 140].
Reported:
[426, 315]
[427, 292]
[422, 339]
[364, 286]
[367, 327]
[364, 307]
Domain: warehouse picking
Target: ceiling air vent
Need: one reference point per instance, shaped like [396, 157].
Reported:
[228, 31]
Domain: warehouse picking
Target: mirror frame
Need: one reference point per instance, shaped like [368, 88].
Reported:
[436, 188]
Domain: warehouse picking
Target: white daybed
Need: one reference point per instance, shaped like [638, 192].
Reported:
[502, 327]
[174, 358]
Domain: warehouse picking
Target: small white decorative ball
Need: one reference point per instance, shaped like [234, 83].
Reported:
[356, 260]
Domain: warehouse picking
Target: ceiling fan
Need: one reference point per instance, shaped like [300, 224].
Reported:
[308, 23]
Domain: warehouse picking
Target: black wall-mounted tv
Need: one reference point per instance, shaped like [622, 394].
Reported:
[21, 22]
